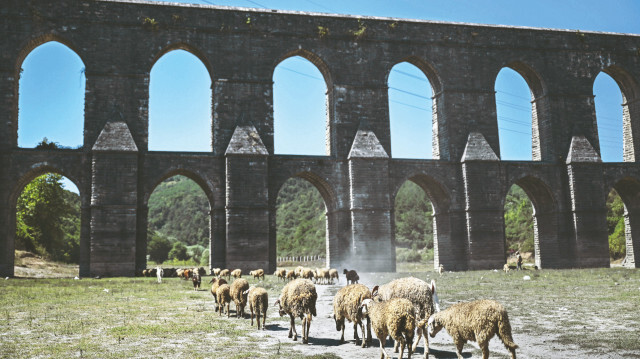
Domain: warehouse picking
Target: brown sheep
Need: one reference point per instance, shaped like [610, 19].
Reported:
[333, 274]
[195, 278]
[280, 273]
[258, 273]
[236, 273]
[307, 273]
[476, 321]
[395, 317]
[258, 302]
[214, 287]
[423, 296]
[352, 276]
[346, 305]
[298, 299]
[291, 275]
[224, 298]
[238, 287]
[225, 273]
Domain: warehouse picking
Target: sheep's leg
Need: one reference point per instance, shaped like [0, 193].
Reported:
[342, 329]
[402, 347]
[355, 332]
[459, 346]
[307, 325]
[383, 341]
[484, 346]
[396, 345]
[364, 338]
[369, 337]
[293, 328]
[415, 344]
[228, 310]
[264, 318]
[251, 309]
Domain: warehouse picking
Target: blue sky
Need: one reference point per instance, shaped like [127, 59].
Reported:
[52, 82]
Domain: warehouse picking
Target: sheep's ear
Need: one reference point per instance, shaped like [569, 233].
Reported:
[277, 303]
[245, 292]
[433, 286]
[374, 291]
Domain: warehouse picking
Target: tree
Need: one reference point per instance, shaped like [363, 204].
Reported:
[179, 252]
[616, 225]
[159, 247]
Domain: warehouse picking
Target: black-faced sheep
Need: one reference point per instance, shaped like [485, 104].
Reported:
[298, 299]
[224, 298]
[476, 321]
[258, 273]
[346, 305]
[258, 303]
[238, 287]
[236, 273]
[214, 287]
[225, 273]
[195, 278]
[395, 317]
[351, 275]
[333, 274]
[421, 294]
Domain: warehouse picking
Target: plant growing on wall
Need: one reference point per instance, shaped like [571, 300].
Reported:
[323, 31]
[150, 23]
[362, 30]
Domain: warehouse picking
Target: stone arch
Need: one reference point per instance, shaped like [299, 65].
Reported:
[186, 47]
[545, 219]
[427, 69]
[196, 177]
[629, 190]
[541, 137]
[35, 171]
[316, 60]
[440, 196]
[27, 48]
[630, 91]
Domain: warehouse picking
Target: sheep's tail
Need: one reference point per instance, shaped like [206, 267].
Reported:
[504, 331]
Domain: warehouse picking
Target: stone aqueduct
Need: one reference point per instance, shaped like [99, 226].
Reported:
[466, 181]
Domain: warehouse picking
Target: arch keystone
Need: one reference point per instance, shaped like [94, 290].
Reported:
[115, 136]
[478, 149]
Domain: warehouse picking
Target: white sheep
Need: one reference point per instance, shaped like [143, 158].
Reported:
[395, 317]
[298, 299]
[258, 299]
[346, 304]
[476, 321]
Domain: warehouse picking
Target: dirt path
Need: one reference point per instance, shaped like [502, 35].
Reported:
[324, 338]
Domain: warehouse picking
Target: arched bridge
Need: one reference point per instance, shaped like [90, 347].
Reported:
[358, 180]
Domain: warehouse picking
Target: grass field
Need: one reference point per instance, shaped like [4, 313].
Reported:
[592, 312]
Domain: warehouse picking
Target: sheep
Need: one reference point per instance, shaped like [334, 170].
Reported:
[215, 271]
[225, 273]
[214, 287]
[422, 295]
[201, 271]
[477, 321]
[395, 317]
[258, 273]
[351, 275]
[179, 272]
[291, 275]
[237, 289]
[223, 298]
[307, 273]
[346, 304]
[159, 274]
[258, 302]
[321, 275]
[440, 269]
[298, 299]
[236, 273]
[169, 272]
[333, 273]
[281, 273]
[196, 279]
[298, 271]
[506, 268]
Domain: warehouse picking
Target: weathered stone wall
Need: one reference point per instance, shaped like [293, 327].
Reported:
[119, 42]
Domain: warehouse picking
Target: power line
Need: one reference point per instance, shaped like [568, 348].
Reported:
[409, 93]
[408, 105]
[300, 73]
[520, 132]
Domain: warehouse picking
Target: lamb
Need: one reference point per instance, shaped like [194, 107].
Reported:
[258, 302]
[506, 268]
[291, 275]
[159, 274]
[280, 273]
[225, 273]
[477, 321]
[236, 273]
[333, 273]
[346, 305]
[351, 275]
[440, 269]
[195, 278]
[215, 271]
[237, 294]
[298, 299]
[224, 298]
[258, 273]
[395, 317]
[214, 287]
[422, 295]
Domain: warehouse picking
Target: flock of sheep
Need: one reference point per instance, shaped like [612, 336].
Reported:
[397, 309]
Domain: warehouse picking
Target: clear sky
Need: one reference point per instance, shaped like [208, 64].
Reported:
[52, 82]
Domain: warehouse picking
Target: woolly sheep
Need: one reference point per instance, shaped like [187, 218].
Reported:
[321, 275]
[333, 273]
[281, 273]
[298, 271]
[214, 287]
[307, 273]
[351, 275]
[236, 273]
[422, 295]
[298, 299]
[215, 271]
[238, 287]
[258, 302]
[258, 273]
[395, 317]
[225, 273]
[224, 298]
[195, 278]
[291, 275]
[346, 305]
[477, 321]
